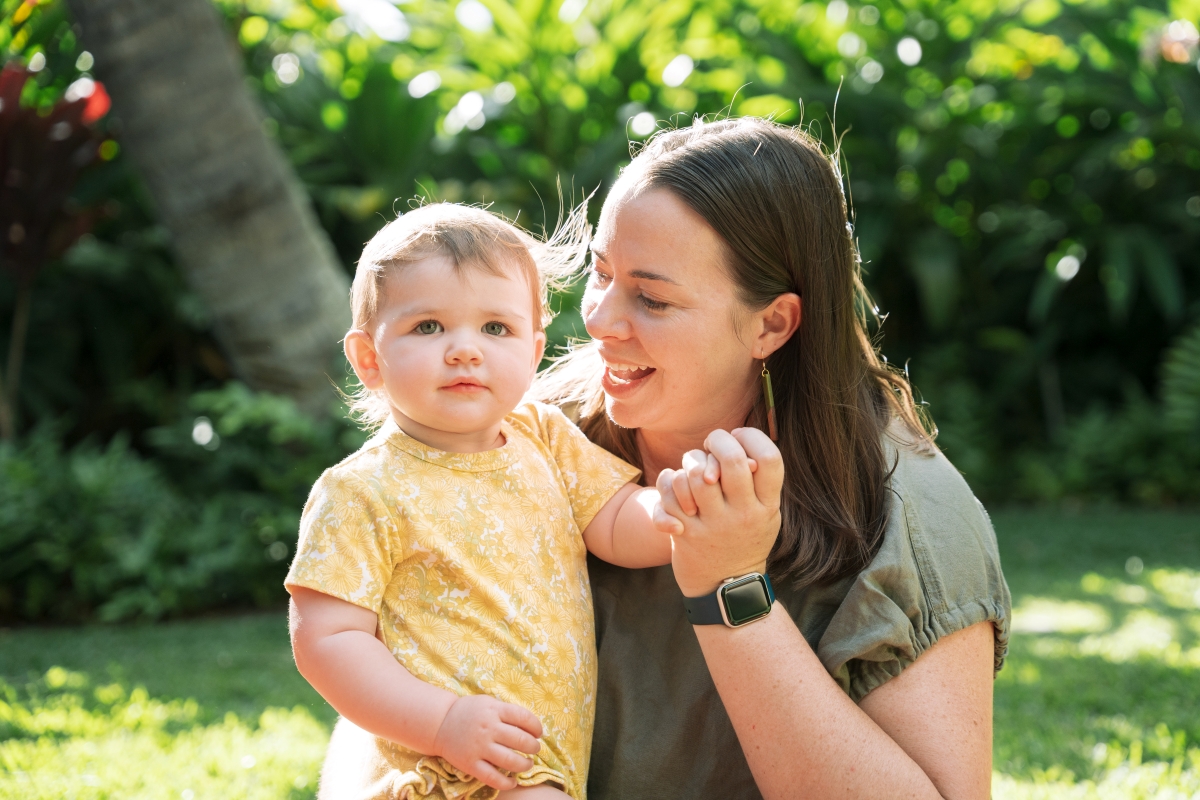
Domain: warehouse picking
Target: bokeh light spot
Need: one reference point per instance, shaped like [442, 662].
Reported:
[677, 71]
[909, 51]
[474, 16]
[643, 124]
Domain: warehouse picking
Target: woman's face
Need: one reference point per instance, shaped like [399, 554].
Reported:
[666, 316]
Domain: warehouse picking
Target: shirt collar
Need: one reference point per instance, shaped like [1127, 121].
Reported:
[485, 461]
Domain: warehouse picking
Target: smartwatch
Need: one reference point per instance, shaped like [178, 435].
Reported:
[736, 602]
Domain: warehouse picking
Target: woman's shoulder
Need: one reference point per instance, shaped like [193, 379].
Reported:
[937, 571]
[933, 496]
[936, 518]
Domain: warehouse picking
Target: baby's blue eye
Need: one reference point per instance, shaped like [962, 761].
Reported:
[494, 329]
[429, 326]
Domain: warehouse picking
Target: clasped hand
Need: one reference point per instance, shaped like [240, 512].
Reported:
[721, 508]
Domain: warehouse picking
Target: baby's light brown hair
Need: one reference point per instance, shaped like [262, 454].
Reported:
[472, 239]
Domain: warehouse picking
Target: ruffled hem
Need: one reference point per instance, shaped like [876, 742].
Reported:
[866, 676]
[435, 777]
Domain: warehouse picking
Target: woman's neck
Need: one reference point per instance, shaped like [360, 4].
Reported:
[664, 449]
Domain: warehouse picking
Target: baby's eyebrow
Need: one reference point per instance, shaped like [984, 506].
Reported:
[437, 313]
[509, 313]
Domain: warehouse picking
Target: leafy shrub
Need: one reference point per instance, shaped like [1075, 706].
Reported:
[79, 528]
[1023, 174]
[106, 531]
[1181, 382]
[1141, 451]
[1131, 455]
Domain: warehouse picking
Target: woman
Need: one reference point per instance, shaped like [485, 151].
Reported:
[723, 254]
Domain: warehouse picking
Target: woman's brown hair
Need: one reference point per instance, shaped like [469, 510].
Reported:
[775, 197]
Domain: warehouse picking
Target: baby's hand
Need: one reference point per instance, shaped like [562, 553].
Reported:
[675, 482]
[482, 735]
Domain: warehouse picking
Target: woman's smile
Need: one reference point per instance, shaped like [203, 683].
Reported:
[626, 373]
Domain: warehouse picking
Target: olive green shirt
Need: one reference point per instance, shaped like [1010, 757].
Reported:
[661, 729]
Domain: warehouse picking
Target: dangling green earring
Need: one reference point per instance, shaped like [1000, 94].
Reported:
[772, 431]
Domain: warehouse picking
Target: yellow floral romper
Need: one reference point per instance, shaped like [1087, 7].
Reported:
[475, 564]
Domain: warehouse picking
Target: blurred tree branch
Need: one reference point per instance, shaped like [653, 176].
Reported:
[242, 225]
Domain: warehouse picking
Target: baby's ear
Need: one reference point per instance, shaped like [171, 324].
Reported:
[360, 352]
[539, 349]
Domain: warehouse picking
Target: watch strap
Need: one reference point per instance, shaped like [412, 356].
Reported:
[704, 610]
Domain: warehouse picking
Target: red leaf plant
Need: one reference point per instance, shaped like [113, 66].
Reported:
[41, 156]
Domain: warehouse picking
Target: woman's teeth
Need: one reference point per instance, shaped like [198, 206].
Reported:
[628, 372]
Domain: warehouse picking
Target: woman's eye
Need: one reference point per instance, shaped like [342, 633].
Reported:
[495, 329]
[599, 278]
[653, 305]
[429, 326]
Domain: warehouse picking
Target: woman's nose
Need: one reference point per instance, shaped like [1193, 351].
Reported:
[603, 316]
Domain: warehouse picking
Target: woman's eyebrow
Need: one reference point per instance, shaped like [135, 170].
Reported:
[643, 274]
[651, 276]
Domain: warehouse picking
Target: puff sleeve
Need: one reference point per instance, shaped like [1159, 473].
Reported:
[937, 572]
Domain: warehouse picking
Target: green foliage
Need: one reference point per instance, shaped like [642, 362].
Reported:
[1021, 194]
[1023, 176]
[209, 521]
[1133, 455]
[1181, 382]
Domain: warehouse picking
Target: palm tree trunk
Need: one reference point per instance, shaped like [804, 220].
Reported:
[242, 225]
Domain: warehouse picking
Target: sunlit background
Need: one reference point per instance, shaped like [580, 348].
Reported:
[1025, 184]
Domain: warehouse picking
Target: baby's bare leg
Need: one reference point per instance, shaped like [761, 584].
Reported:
[543, 791]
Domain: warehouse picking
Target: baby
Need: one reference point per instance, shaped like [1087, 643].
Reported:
[440, 597]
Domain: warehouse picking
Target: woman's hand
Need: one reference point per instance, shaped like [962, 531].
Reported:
[723, 517]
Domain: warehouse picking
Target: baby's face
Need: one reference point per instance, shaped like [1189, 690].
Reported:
[456, 351]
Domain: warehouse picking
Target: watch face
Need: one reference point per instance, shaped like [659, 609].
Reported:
[745, 600]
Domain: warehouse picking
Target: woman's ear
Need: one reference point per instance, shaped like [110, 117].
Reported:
[778, 322]
[360, 352]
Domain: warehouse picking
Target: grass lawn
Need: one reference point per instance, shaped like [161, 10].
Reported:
[1100, 698]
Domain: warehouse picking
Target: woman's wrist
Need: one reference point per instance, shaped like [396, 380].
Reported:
[696, 584]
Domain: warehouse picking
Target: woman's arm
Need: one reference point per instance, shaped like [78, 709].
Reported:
[925, 734]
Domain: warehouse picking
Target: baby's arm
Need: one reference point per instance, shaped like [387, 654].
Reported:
[336, 651]
[623, 531]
